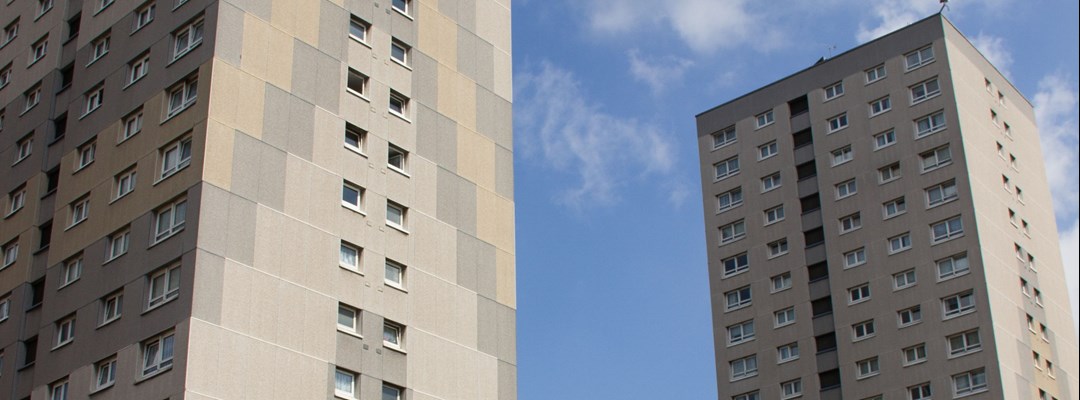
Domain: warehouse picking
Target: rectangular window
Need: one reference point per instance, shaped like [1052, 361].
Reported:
[10, 32]
[5, 77]
[71, 271]
[945, 230]
[846, 188]
[86, 155]
[909, 316]
[357, 83]
[919, 58]
[65, 331]
[880, 106]
[875, 74]
[788, 352]
[401, 6]
[358, 29]
[399, 104]
[859, 294]
[394, 274]
[778, 248]
[970, 382]
[138, 68]
[80, 210]
[855, 258]
[744, 368]
[16, 200]
[838, 122]
[132, 125]
[732, 232]
[175, 157]
[125, 183]
[183, 95]
[58, 390]
[899, 243]
[920, 392]
[112, 307]
[904, 279]
[770, 182]
[93, 99]
[726, 168]
[349, 257]
[187, 38]
[345, 384]
[390, 392]
[397, 158]
[33, 97]
[767, 150]
[863, 330]
[740, 332]
[958, 304]
[399, 52]
[169, 220]
[11, 253]
[724, 137]
[352, 197]
[936, 158]
[894, 207]
[143, 16]
[105, 373]
[781, 282]
[735, 264]
[164, 286]
[784, 317]
[774, 215]
[791, 389]
[764, 119]
[889, 173]
[355, 138]
[729, 199]
[833, 91]
[850, 223]
[5, 308]
[737, 298]
[884, 139]
[347, 318]
[915, 354]
[867, 368]
[940, 194]
[393, 335]
[39, 49]
[23, 148]
[396, 215]
[99, 48]
[930, 124]
[157, 354]
[118, 244]
[925, 90]
[842, 155]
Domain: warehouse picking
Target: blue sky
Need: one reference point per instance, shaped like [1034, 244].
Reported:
[612, 277]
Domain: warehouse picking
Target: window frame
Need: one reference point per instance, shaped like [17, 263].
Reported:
[910, 278]
[117, 240]
[846, 189]
[99, 47]
[358, 205]
[905, 243]
[912, 315]
[71, 271]
[935, 122]
[131, 125]
[175, 225]
[863, 330]
[954, 228]
[732, 202]
[842, 155]
[403, 215]
[741, 301]
[897, 205]
[850, 223]
[778, 248]
[405, 58]
[859, 294]
[970, 342]
[748, 366]
[345, 247]
[738, 232]
[872, 368]
[949, 193]
[924, 54]
[65, 331]
[79, 210]
[104, 369]
[961, 309]
[356, 83]
[728, 171]
[771, 182]
[880, 106]
[725, 137]
[768, 150]
[924, 90]
[740, 263]
[889, 173]
[913, 355]
[354, 327]
[741, 332]
[877, 76]
[833, 91]
[401, 268]
[837, 123]
[774, 215]
[854, 258]
[972, 378]
[395, 331]
[340, 392]
[191, 34]
[168, 275]
[112, 308]
[784, 317]
[887, 135]
[403, 105]
[138, 68]
[143, 16]
[785, 282]
[188, 91]
[792, 352]
[764, 119]
[365, 27]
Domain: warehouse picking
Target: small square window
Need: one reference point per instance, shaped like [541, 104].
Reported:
[143, 16]
[951, 228]
[80, 210]
[925, 90]
[396, 159]
[970, 382]
[842, 155]
[875, 74]
[187, 38]
[767, 150]
[867, 368]
[396, 215]
[788, 352]
[781, 282]
[16, 200]
[352, 197]
[99, 48]
[884, 139]
[909, 316]
[112, 307]
[859, 294]
[164, 286]
[86, 155]
[357, 83]
[399, 105]
[348, 319]
[791, 389]
[765, 119]
[778, 248]
[394, 274]
[33, 97]
[169, 220]
[132, 125]
[784, 317]
[744, 368]
[850, 222]
[724, 137]
[855, 258]
[10, 33]
[118, 243]
[93, 99]
[936, 158]
[345, 384]
[39, 49]
[958, 304]
[770, 182]
[863, 330]
[393, 335]
[732, 232]
[71, 271]
[919, 57]
[964, 343]
[774, 215]
[894, 207]
[729, 199]
[11, 253]
[899, 243]
[940, 194]
[726, 168]
[737, 298]
[401, 6]
[105, 373]
[358, 29]
[138, 68]
[905, 279]
[880, 106]
[65, 331]
[920, 392]
[846, 188]
[58, 390]
[838, 122]
[889, 173]
[915, 354]
[735, 264]
[355, 138]
[349, 257]
[183, 95]
[175, 157]
[399, 52]
[833, 91]
[930, 124]
[740, 333]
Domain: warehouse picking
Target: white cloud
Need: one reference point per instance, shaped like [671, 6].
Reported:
[1070, 247]
[657, 74]
[890, 15]
[703, 25]
[993, 48]
[556, 125]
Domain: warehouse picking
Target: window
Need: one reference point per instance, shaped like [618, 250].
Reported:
[940, 194]
[396, 159]
[740, 332]
[112, 307]
[99, 48]
[894, 207]
[925, 90]
[781, 282]
[187, 38]
[175, 157]
[767, 150]
[118, 244]
[951, 228]
[352, 197]
[791, 389]
[10, 32]
[732, 232]
[39, 49]
[774, 215]
[86, 155]
[164, 286]
[833, 91]
[884, 139]
[169, 220]
[357, 83]
[737, 298]
[787, 352]
[846, 188]
[875, 74]
[59, 389]
[138, 68]
[157, 354]
[744, 368]
[770, 182]
[784, 317]
[33, 97]
[1008, 129]
[859, 294]
[899, 243]
[1019, 194]
[16, 200]
[842, 155]
[838, 122]
[904, 279]
[729, 199]
[724, 137]
[358, 29]
[867, 368]
[764, 119]
[994, 118]
[347, 318]
[143, 16]
[863, 330]
[11, 253]
[344, 384]
[390, 392]
[396, 215]
[5, 309]
[855, 258]
[778, 248]
[355, 138]
[65, 331]
[929, 124]
[735, 264]
[399, 52]
[93, 99]
[183, 95]
[102, 4]
[850, 223]
[1005, 183]
[105, 373]
[399, 104]
[919, 57]
[889, 173]
[132, 125]
[936, 158]
[5, 77]
[401, 6]
[919, 392]
[958, 304]
[970, 382]
[394, 274]
[914, 354]
[726, 168]
[349, 257]
[393, 335]
[747, 396]
[880, 106]
[23, 149]
[909, 316]
[80, 210]
[71, 271]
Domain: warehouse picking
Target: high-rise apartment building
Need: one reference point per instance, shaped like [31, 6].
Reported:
[880, 227]
[232, 199]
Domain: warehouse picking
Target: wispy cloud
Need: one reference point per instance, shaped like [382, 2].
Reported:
[705, 26]
[575, 137]
[993, 48]
[890, 15]
[660, 73]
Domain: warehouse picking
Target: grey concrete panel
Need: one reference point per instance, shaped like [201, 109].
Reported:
[507, 334]
[487, 326]
[427, 138]
[485, 270]
[301, 128]
[447, 135]
[232, 33]
[241, 236]
[328, 83]
[350, 352]
[425, 80]
[333, 25]
[507, 381]
[467, 44]
[259, 8]
[468, 250]
[449, 8]
[305, 70]
[466, 16]
[276, 117]
[271, 190]
[493, 117]
[245, 166]
[504, 172]
[446, 188]
[485, 64]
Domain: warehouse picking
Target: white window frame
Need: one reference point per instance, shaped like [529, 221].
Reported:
[388, 269]
[132, 125]
[725, 137]
[187, 38]
[393, 335]
[170, 278]
[105, 374]
[164, 229]
[175, 157]
[738, 264]
[948, 312]
[934, 123]
[781, 282]
[867, 368]
[855, 258]
[899, 243]
[771, 182]
[784, 317]
[737, 231]
[99, 48]
[39, 50]
[768, 150]
[118, 244]
[941, 156]
[65, 331]
[774, 215]
[11, 31]
[849, 223]
[402, 221]
[112, 308]
[791, 389]
[11, 253]
[884, 139]
[396, 5]
[833, 91]
[894, 208]
[398, 105]
[846, 189]
[71, 271]
[968, 383]
[925, 90]
[16, 200]
[905, 279]
[86, 154]
[728, 170]
[182, 96]
[357, 206]
[23, 149]
[787, 352]
[909, 316]
[837, 123]
[397, 46]
[80, 211]
[889, 173]
[93, 99]
[777, 248]
[913, 355]
[359, 29]
[58, 390]
[921, 391]
[390, 392]
[729, 199]
[154, 359]
[143, 16]
[356, 83]
[345, 393]
[5, 308]
[859, 294]
[842, 155]
[353, 327]
[948, 193]
[743, 368]
[360, 139]
[919, 58]
[344, 250]
[739, 300]
[394, 152]
[880, 106]
[946, 230]
[764, 119]
[741, 332]
[876, 73]
[863, 330]
[138, 69]
[969, 342]
[747, 396]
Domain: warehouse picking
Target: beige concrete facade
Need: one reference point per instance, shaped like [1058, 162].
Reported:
[250, 126]
[841, 273]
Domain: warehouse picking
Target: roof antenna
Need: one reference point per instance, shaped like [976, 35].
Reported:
[831, 47]
[944, 5]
